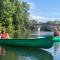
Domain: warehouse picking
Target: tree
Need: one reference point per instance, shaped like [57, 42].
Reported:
[14, 14]
[21, 15]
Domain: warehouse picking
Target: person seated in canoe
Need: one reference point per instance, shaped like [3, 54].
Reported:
[4, 35]
[56, 33]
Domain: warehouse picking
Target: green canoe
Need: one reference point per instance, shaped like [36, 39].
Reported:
[44, 42]
[56, 39]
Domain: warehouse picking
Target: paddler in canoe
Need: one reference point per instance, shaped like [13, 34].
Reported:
[4, 35]
[56, 32]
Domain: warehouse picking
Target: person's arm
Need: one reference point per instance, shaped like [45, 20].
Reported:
[7, 36]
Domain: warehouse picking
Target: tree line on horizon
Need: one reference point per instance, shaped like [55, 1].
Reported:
[47, 27]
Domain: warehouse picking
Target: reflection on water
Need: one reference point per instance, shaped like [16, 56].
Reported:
[20, 35]
[33, 34]
[2, 51]
[56, 47]
[24, 53]
[57, 51]
[40, 34]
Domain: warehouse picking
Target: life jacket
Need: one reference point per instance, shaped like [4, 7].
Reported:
[4, 35]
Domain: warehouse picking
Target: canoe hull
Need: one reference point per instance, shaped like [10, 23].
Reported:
[38, 42]
[56, 39]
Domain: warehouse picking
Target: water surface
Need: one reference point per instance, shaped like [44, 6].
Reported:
[29, 53]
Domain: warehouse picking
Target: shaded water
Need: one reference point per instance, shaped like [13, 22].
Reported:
[25, 53]
[29, 53]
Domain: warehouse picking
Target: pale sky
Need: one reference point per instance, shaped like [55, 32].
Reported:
[44, 10]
